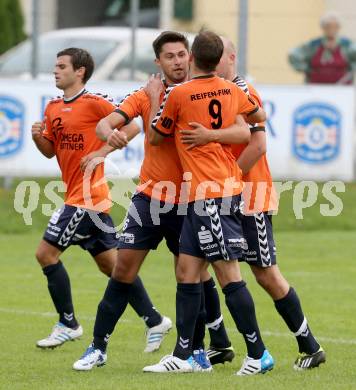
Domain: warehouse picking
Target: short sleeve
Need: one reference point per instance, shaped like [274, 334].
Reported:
[246, 105]
[106, 106]
[131, 106]
[165, 118]
[257, 98]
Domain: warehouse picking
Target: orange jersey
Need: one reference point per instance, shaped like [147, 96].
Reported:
[70, 125]
[259, 193]
[214, 103]
[161, 163]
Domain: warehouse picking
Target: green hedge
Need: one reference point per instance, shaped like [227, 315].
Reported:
[11, 24]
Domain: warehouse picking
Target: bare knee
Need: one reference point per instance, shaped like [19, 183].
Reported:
[105, 269]
[264, 279]
[205, 274]
[123, 272]
[271, 280]
[46, 256]
[127, 265]
[188, 269]
[227, 272]
[106, 261]
[182, 274]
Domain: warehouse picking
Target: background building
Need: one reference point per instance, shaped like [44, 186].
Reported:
[274, 26]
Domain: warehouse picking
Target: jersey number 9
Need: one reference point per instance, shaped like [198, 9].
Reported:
[215, 113]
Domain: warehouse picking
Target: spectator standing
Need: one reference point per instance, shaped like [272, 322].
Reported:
[330, 59]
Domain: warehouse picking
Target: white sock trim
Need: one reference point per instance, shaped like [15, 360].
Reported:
[215, 323]
[302, 328]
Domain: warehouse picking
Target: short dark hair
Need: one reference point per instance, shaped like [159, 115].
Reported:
[207, 50]
[79, 58]
[168, 37]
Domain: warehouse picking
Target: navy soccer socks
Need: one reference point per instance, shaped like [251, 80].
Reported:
[110, 309]
[214, 319]
[291, 311]
[60, 291]
[188, 300]
[240, 303]
[141, 303]
[199, 331]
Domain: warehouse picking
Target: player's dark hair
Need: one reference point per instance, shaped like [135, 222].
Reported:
[79, 58]
[207, 50]
[168, 37]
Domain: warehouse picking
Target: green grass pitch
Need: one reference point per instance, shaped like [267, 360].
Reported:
[317, 255]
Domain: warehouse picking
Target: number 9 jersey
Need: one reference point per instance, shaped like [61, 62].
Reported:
[214, 103]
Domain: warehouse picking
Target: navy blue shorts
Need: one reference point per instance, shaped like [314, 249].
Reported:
[258, 232]
[212, 230]
[147, 225]
[76, 226]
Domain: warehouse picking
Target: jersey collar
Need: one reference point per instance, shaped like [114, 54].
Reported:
[205, 76]
[71, 99]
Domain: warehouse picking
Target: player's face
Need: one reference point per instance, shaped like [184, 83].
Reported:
[64, 73]
[174, 62]
[223, 66]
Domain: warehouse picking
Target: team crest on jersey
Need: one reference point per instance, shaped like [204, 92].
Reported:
[11, 125]
[316, 133]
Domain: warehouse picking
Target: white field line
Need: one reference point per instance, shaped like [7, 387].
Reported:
[92, 318]
[319, 338]
[46, 314]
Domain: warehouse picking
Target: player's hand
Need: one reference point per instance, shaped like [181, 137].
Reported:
[154, 87]
[117, 139]
[91, 160]
[200, 135]
[37, 129]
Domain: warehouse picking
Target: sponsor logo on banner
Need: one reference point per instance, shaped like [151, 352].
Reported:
[316, 133]
[11, 125]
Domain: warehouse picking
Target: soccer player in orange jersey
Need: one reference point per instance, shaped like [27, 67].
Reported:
[142, 232]
[152, 215]
[212, 229]
[68, 133]
[257, 221]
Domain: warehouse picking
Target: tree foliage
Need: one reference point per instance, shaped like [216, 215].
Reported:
[11, 24]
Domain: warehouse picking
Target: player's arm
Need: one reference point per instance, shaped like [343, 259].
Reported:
[96, 157]
[253, 151]
[153, 89]
[236, 134]
[118, 139]
[163, 124]
[257, 145]
[117, 128]
[253, 112]
[44, 145]
[113, 121]
[155, 137]
[131, 130]
[256, 116]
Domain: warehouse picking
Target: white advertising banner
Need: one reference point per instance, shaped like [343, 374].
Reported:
[309, 130]
[23, 102]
